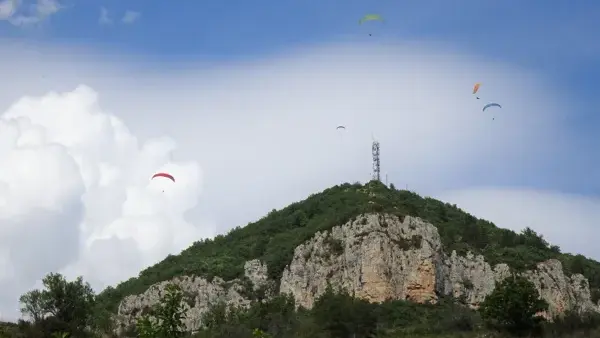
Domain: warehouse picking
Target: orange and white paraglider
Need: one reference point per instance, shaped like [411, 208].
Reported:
[476, 88]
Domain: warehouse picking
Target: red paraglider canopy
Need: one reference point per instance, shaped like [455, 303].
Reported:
[164, 175]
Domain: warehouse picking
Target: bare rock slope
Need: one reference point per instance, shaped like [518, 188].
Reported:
[380, 257]
[375, 257]
[198, 295]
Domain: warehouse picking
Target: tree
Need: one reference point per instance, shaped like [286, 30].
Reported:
[342, 315]
[61, 306]
[513, 306]
[32, 305]
[168, 316]
[146, 327]
[578, 264]
[170, 312]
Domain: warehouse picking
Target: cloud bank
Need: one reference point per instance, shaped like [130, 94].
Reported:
[76, 195]
[242, 139]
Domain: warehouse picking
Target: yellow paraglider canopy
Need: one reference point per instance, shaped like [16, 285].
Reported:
[370, 17]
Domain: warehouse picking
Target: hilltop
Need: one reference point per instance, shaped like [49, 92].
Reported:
[274, 238]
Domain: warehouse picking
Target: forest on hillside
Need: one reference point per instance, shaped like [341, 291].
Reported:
[71, 307]
[274, 237]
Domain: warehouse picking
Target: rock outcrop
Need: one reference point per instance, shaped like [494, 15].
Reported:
[375, 257]
[198, 295]
[379, 257]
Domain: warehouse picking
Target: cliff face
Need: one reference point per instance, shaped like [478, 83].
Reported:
[375, 257]
[380, 257]
[198, 295]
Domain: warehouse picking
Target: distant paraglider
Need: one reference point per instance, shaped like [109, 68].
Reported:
[370, 17]
[340, 127]
[169, 176]
[165, 175]
[491, 105]
[476, 88]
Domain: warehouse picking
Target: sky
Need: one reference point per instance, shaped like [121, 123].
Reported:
[240, 102]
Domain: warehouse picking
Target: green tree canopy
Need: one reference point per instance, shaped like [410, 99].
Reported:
[514, 305]
[62, 306]
[166, 319]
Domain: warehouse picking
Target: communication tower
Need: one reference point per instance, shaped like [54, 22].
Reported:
[375, 152]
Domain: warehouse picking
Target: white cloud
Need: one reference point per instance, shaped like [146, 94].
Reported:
[104, 18]
[36, 13]
[130, 17]
[77, 191]
[264, 134]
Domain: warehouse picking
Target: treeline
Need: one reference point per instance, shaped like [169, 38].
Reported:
[68, 309]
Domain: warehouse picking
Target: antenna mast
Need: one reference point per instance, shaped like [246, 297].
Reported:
[375, 152]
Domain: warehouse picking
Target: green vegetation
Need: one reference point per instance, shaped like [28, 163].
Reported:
[338, 315]
[166, 319]
[274, 237]
[62, 309]
[513, 306]
[69, 308]
[510, 309]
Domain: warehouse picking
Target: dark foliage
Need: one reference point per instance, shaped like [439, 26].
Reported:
[513, 306]
[337, 314]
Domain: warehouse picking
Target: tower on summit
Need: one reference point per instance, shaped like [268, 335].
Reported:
[376, 165]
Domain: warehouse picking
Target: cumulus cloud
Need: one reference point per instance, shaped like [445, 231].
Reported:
[264, 135]
[76, 196]
[130, 17]
[34, 14]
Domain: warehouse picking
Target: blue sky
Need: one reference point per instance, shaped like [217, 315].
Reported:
[511, 30]
[557, 39]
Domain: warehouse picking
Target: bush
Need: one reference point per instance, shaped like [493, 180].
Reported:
[513, 306]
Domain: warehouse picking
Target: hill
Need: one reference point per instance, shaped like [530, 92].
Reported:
[274, 238]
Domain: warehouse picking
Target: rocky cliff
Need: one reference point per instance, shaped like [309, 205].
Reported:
[198, 295]
[380, 257]
[375, 257]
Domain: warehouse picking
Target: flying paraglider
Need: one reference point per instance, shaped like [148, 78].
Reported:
[491, 105]
[340, 127]
[370, 17]
[475, 89]
[165, 175]
[169, 176]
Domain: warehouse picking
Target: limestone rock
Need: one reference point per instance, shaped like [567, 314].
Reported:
[379, 257]
[561, 292]
[375, 257]
[198, 295]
